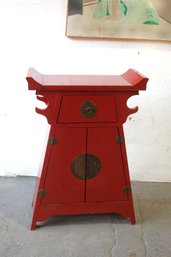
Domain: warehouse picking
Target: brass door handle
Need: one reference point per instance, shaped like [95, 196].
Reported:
[86, 166]
[88, 109]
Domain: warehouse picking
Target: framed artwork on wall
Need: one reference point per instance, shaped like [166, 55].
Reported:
[119, 19]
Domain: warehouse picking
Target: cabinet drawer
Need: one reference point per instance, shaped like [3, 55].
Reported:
[87, 109]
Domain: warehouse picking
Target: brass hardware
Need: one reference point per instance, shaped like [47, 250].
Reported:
[41, 193]
[127, 190]
[78, 166]
[93, 166]
[88, 109]
[119, 140]
[52, 141]
[86, 166]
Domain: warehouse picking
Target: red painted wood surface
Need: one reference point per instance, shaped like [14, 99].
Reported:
[75, 134]
[109, 184]
[125, 208]
[70, 109]
[60, 184]
[130, 80]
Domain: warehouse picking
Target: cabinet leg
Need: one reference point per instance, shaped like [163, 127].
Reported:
[133, 220]
[34, 219]
[33, 224]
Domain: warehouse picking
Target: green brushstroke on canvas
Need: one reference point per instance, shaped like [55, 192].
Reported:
[130, 11]
[102, 9]
[124, 7]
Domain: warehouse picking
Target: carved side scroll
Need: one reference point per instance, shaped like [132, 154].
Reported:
[123, 110]
[52, 102]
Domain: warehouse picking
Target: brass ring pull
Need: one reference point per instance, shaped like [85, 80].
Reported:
[88, 109]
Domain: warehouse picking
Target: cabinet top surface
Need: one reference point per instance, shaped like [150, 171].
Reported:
[84, 80]
[131, 80]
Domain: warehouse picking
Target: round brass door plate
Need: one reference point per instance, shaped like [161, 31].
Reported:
[86, 166]
[88, 109]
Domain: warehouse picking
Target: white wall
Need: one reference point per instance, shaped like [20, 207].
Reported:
[33, 34]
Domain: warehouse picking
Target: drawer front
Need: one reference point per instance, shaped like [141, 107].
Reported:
[87, 109]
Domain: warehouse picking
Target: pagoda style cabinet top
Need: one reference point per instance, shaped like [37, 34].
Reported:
[48, 87]
[129, 81]
[84, 170]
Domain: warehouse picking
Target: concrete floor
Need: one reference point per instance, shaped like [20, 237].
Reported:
[86, 235]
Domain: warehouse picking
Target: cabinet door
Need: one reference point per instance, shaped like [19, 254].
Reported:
[108, 184]
[61, 185]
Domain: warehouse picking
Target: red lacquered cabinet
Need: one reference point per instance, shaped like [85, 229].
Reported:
[85, 169]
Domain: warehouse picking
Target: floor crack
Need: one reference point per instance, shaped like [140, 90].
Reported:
[115, 239]
[142, 230]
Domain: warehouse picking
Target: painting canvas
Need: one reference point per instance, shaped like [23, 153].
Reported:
[119, 19]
